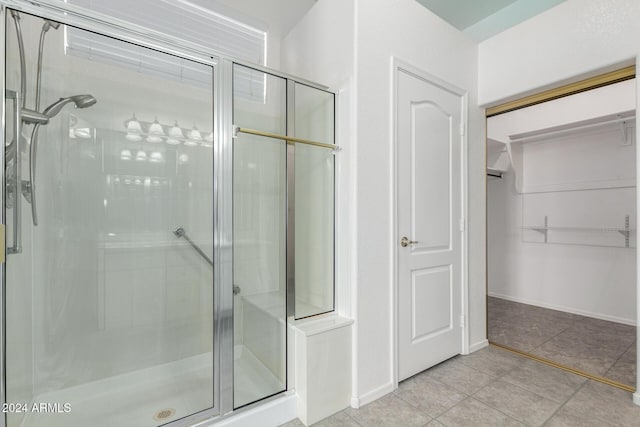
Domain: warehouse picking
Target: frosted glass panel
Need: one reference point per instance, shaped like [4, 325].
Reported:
[108, 309]
[259, 252]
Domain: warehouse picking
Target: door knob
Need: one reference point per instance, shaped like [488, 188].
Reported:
[404, 242]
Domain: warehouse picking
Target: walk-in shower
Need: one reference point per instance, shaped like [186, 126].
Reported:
[107, 310]
[172, 242]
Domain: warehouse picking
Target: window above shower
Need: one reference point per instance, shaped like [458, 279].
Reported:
[221, 31]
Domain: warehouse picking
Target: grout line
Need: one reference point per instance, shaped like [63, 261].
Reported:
[559, 333]
[526, 391]
[487, 373]
[472, 395]
[633, 344]
[349, 416]
[457, 404]
[482, 403]
[353, 419]
[565, 402]
[423, 412]
[526, 309]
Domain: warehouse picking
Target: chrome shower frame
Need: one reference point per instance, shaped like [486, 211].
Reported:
[3, 220]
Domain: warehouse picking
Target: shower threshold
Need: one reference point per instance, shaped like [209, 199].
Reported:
[167, 392]
[153, 396]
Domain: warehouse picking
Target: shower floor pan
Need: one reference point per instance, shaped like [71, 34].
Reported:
[151, 397]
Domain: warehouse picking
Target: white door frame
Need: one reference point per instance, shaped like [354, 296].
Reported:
[398, 65]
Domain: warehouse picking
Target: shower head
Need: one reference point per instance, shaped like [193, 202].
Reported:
[84, 101]
[49, 24]
[80, 101]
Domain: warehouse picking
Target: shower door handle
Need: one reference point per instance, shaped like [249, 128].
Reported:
[16, 185]
[181, 233]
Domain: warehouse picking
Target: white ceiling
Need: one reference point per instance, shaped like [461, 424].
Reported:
[276, 16]
[480, 19]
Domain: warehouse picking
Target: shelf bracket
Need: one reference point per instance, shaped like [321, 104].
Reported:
[543, 230]
[626, 231]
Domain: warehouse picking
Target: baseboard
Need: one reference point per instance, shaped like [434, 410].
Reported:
[355, 402]
[636, 398]
[565, 309]
[374, 394]
[479, 345]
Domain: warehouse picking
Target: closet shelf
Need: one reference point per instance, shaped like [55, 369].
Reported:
[617, 129]
[596, 229]
[625, 230]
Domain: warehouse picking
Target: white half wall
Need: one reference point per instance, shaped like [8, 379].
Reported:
[321, 48]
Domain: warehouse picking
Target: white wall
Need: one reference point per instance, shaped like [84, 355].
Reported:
[583, 272]
[575, 38]
[406, 30]
[319, 48]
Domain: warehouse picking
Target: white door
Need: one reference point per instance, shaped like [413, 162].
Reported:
[430, 138]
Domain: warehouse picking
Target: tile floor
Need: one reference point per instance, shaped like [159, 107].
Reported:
[493, 387]
[595, 346]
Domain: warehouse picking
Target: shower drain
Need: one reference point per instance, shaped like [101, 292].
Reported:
[163, 414]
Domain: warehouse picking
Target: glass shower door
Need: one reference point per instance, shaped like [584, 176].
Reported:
[110, 297]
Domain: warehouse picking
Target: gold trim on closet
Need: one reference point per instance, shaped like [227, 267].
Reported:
[616, 76]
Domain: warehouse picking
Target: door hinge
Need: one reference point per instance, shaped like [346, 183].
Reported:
[462, 320]
[462, 225]
[462, 129]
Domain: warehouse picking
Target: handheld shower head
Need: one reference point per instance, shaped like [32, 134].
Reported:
[80, 101]
[84, 101]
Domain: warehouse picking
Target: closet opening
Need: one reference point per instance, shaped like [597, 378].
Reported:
[562, 227]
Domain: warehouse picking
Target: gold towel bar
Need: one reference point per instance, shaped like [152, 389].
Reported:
[289, 139]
